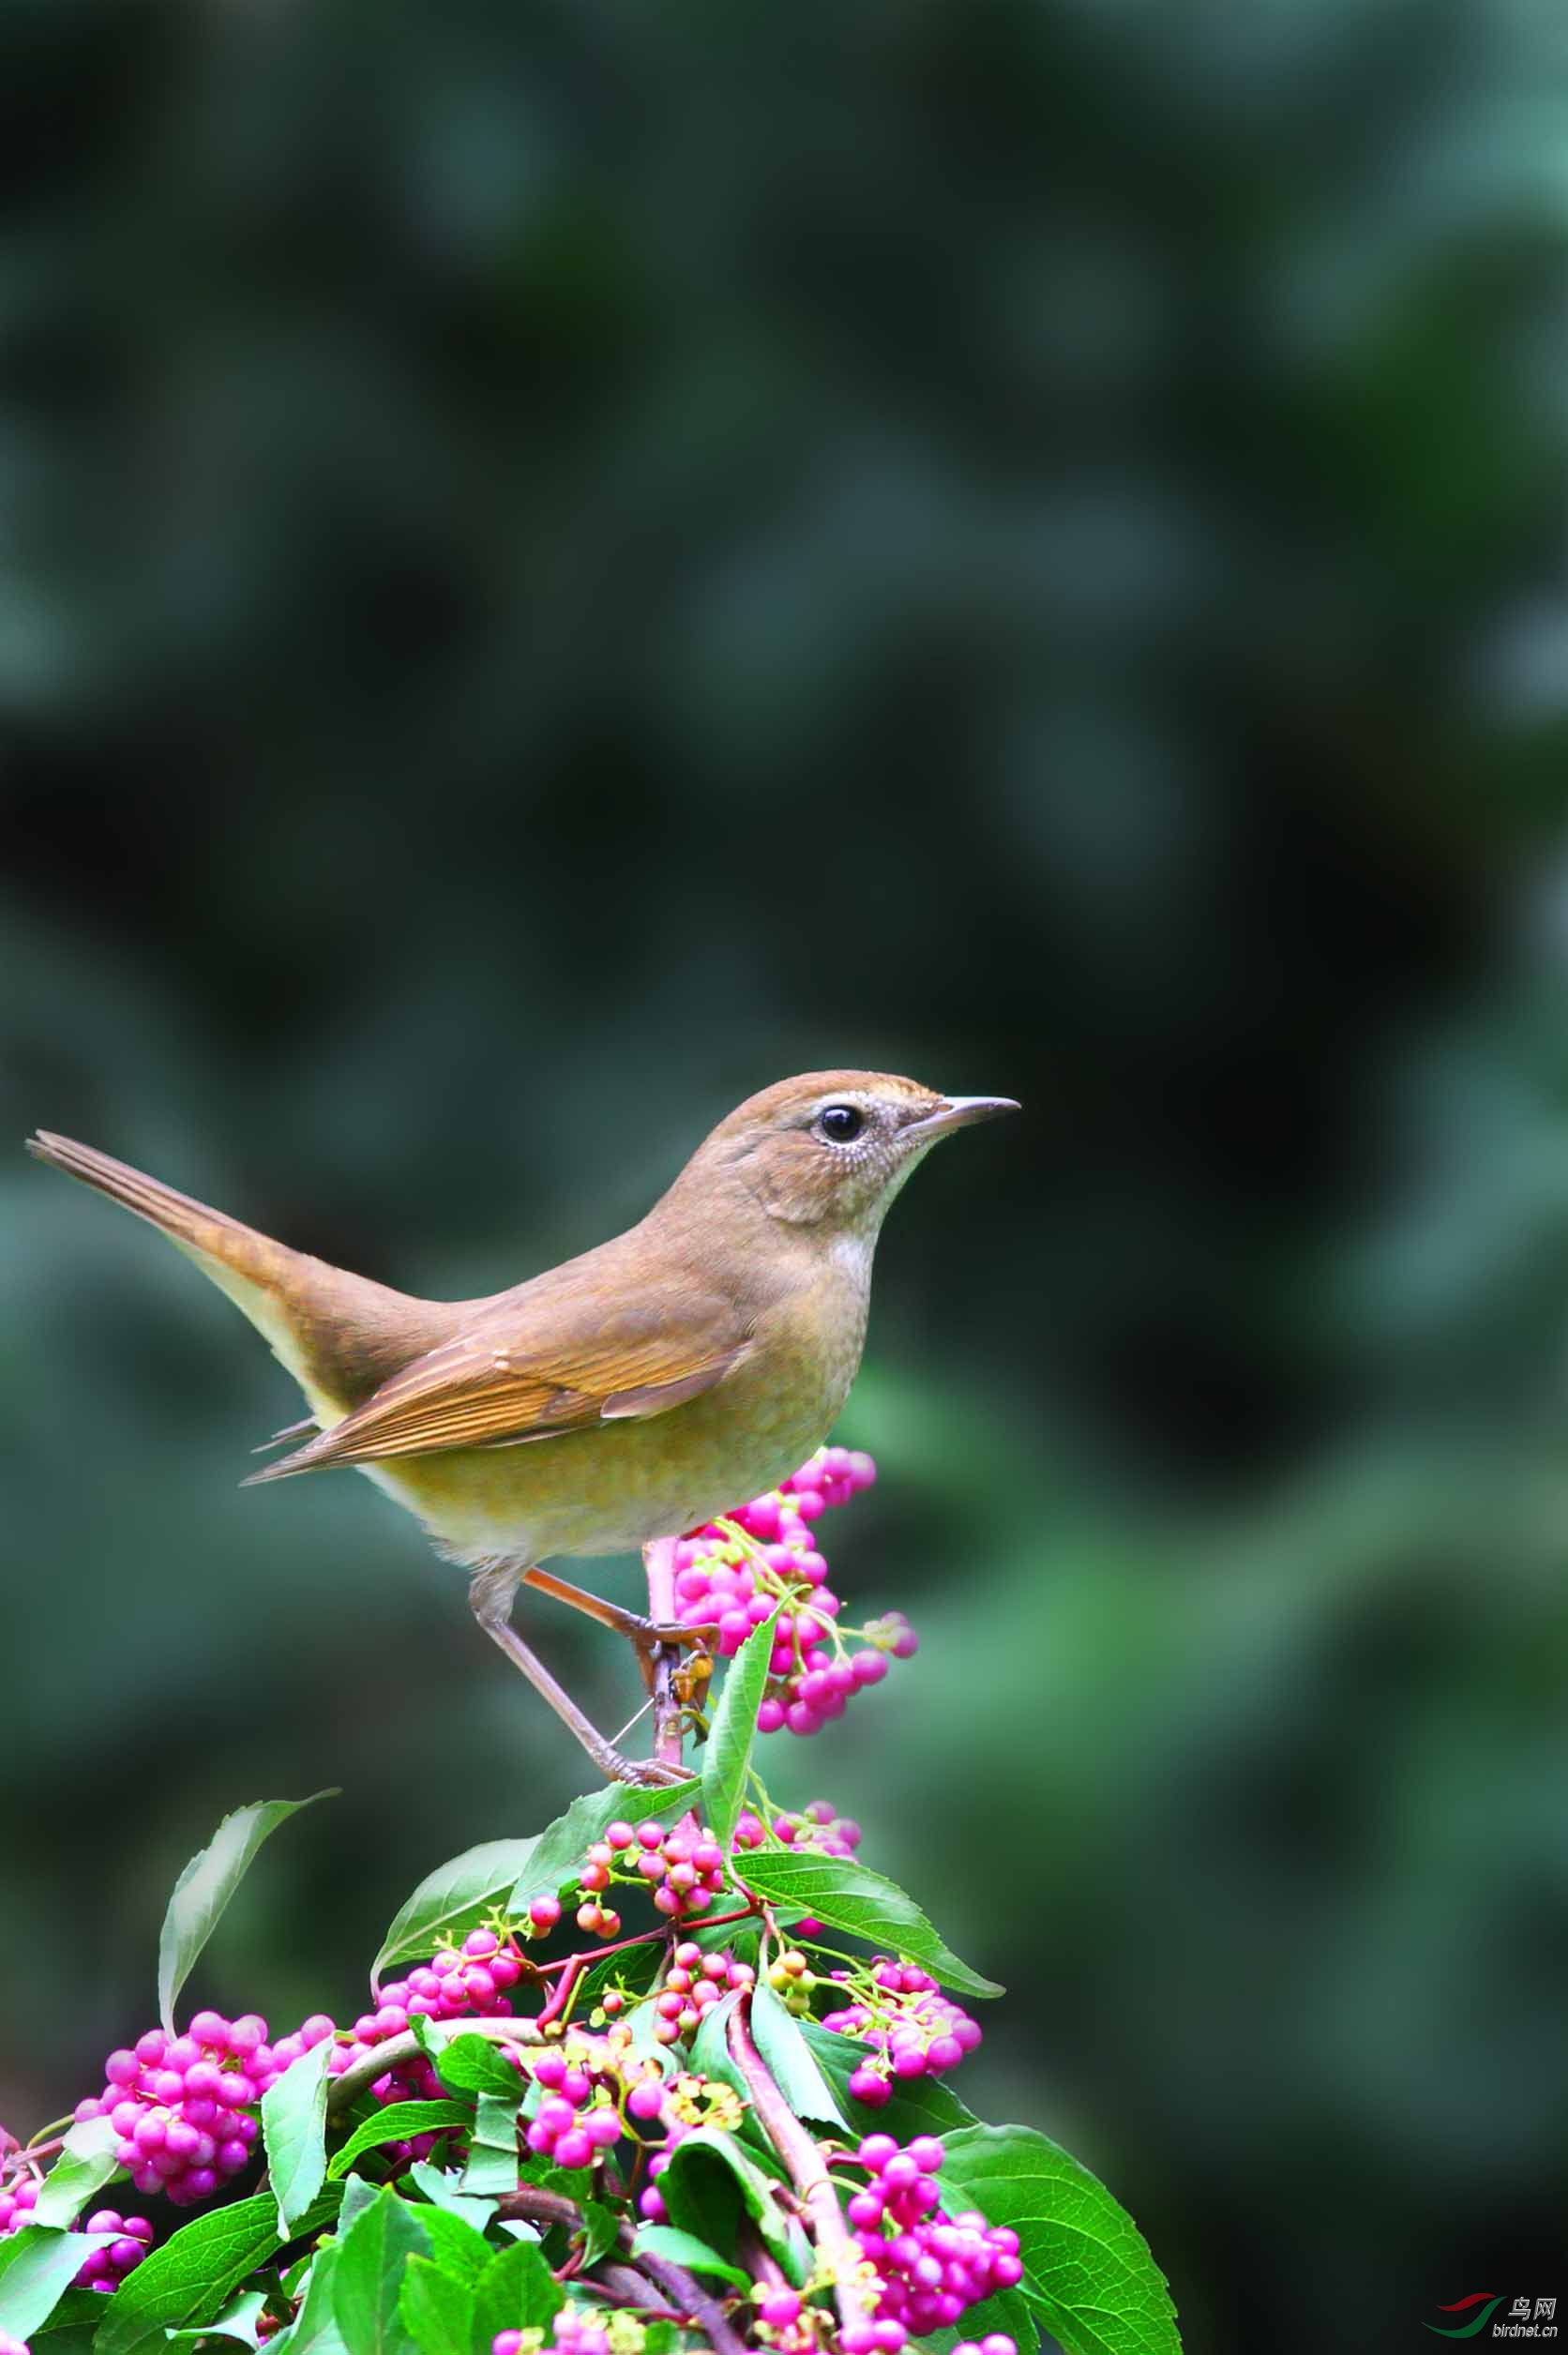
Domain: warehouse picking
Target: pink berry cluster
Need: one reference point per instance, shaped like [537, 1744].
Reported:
[929, 2267]
[914, 2029]
[693, 1983]
[738, 1585]
[17, 2200]
[684, 1870]
[106, 2269]
[181, 2104]
[469, 1981]
[574, 2333]
[819, 1825]
[574, 2123]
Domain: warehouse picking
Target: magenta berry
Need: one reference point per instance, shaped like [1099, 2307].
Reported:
[106, 2269]
[735, 1587]
[931, 2266]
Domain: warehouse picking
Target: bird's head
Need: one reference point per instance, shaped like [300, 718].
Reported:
[831, 1149]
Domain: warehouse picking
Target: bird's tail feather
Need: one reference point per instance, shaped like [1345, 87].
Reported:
[252, 1270]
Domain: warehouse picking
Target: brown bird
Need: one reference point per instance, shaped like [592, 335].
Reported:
[619, 1400]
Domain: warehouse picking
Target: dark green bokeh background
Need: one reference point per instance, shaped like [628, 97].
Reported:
[563, 563]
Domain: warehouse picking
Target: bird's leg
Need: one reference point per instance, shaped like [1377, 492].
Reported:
[490, 1598]
[645, 1634]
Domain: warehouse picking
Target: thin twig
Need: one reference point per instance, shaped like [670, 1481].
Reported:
[668, 1732]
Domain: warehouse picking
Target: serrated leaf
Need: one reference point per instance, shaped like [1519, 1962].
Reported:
[86, 2163]
[240, 2319]
[457, 2246]
[562, 1848]
[437, 2308]
[710, 2047]
[372, 2257]
[314, 2328]
[453, 1901]
[778, 2039]
[516, 2291]
[732, 1732]
[917, 2105]
[469, 2063]
[851, 1898]
[399, 2122]
[37, 2265]
[358, 2196]
[189, 2277]
[77, 2310]
[600, 2225]
[683, 2249]
[682, 2188]
[204, 1888]
[293, 2129]
[440, 2186]
[492, 2153]
[1090, 2272]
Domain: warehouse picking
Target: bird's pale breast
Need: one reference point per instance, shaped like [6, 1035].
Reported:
[612, 1488]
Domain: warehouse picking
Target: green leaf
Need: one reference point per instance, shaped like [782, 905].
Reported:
[493, 2154]
[293, 2129]
[457, 2246]
[600, 2225]
[732, 1732]
[710, 2047]
[917, 2106]
[77, 2310]
[440, 2186]
[399, 2122]
[683, 2249]
[453, 1901]
[516, 2291]
[849, 1895]
[469, 2063]
[83, 2167]
[37, 2265]
[561, 1848]
[780, 2041]
[357, 2195]
[205, 1886]
[314, 2328]
[1090, 2272]
[687, 2187]
[190, 2276]
[239, 2319]
[372, 2257]
[437, 2308]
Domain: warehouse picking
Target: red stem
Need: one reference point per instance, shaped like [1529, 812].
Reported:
[803, 2163]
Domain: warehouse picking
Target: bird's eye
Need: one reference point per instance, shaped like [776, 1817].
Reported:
[840, 1124]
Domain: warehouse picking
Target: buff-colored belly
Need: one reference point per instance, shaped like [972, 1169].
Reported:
[611, 1489]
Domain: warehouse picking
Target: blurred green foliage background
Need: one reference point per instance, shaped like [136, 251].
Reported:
[562, 562]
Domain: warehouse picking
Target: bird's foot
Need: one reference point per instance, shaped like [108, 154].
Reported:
[678, 1632]
[646, 1774]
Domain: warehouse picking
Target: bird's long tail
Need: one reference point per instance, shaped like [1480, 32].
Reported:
[252, 1270]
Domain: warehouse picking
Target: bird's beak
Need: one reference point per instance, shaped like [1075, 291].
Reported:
[959, 1112]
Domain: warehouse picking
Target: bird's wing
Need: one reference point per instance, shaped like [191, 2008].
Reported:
[532, 1370]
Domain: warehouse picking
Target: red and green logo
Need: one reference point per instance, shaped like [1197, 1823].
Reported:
[1477, 2322]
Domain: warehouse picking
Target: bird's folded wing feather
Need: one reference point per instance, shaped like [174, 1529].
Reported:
[533, 1372]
